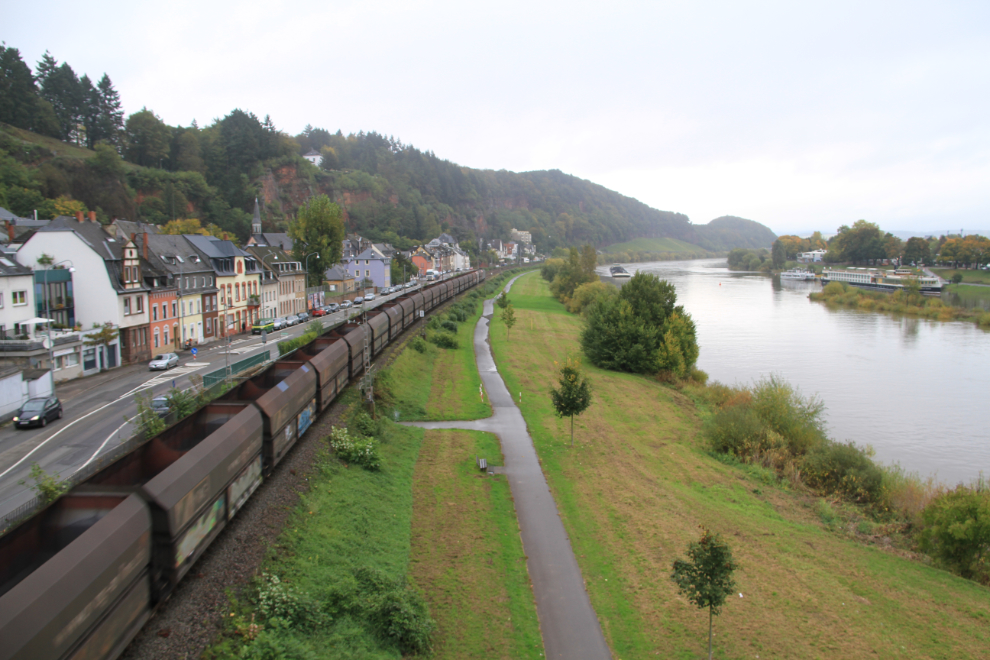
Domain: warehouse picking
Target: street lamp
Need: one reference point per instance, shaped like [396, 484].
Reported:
[270, 254]
[307, 275]
[48, 314]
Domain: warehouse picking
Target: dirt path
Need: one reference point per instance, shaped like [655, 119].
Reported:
[569, 625]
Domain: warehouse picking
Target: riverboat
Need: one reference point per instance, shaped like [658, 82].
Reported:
[878, 280]
[797, 275]
[619, 271]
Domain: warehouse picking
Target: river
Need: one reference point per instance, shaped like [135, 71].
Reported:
[917, 391]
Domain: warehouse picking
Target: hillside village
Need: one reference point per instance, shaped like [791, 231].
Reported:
[124, 293]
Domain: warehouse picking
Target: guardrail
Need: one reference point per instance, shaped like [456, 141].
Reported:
[215, 377]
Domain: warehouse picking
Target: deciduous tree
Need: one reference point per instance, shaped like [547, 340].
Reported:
[573, 394]
[508, 318]
[318, 228]
[146, 139]
[706, 577]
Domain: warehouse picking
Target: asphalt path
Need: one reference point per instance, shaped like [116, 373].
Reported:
[96, 408]
[568, 623]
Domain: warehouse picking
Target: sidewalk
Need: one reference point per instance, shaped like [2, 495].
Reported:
[568, 622]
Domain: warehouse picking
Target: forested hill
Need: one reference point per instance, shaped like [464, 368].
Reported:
[65, 145]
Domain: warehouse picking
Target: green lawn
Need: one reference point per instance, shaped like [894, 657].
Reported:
[637, 485]
[968, 276]
[654, 245]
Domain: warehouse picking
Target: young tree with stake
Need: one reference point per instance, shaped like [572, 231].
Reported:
[706, 579]
[574, 395]
[508, 318]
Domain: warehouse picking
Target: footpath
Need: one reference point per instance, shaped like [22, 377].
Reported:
[569, 625]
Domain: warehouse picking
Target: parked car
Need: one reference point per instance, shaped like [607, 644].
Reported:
[318, 311]
[262, 325]
[280, 323]
[38, 412]
[332, 307]
[347, 304]
[161, 405]
[303, 317]
[369, 297]
[164, 362]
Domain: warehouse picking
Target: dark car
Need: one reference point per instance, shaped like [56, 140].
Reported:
[332, 307]
[38, 412]
[161, 405]
[302, 316]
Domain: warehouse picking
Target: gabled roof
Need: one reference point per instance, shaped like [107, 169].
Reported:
[174, 254]
[371, 253]
[215, 248]
[124, 228]
[312, 152]
[91, 233]
[10, 268]
[337, 273]
[274, 239]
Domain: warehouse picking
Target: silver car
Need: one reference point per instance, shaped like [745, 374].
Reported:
[164, 362]
[369, 297]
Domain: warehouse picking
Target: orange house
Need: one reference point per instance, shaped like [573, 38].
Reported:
[164, 320]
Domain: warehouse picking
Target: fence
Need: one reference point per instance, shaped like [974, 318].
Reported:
[220, 375]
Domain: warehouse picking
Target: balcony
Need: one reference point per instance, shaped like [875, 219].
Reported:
[254, 301]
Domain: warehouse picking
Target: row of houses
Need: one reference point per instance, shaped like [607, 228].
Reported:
[158, 292]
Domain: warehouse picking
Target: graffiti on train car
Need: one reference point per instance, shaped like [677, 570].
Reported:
[198, 532]
[192, 502]
[307, 416]
[246, 483]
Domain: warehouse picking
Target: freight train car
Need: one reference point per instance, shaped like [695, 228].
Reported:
[80, 579]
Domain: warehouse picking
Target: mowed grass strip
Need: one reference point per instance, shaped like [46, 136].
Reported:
[637, 485]
[441, 384]
[467, 555]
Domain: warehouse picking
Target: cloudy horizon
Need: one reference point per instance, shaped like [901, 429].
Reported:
[799, 117]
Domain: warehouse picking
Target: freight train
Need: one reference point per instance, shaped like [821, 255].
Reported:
[81, 578]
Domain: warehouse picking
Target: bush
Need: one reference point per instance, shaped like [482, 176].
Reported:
[359, 451]
[588, 293]
[834, 289]
[418, 344]
[847, 470]
[449, 326]
[957, 531]
[362, 423]
[735, 430]
[783, 410]
[277, 600]
[444, 340]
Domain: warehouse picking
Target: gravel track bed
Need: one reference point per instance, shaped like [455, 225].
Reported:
[192, 618]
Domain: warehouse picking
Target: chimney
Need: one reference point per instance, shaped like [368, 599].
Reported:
[92, 216]
[145, 249]
[10, 231]
[79, 216]
[134, 238]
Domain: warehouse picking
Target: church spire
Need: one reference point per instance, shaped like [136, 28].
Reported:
[256, 222]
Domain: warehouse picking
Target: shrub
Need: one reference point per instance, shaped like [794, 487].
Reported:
[418, 344]
[957, 531]
[444, 340]
[783, 410]
[834, 289]
[588, 293]
[359, 451]
[734, 430]
[277, 600]
[450, 326]
[847, 470]
[362, 423]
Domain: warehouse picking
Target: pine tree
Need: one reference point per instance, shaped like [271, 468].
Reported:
[111, 122]
[89, 111]
[61, 88]
[46, 67]
[18, 93]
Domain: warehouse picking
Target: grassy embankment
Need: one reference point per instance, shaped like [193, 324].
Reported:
[839, 294]
[652, 249]
[969, 276]
[427, 517]
[634, 489]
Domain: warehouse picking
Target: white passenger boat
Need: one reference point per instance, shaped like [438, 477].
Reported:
[619, 271]
[797, 275]
[880, 280]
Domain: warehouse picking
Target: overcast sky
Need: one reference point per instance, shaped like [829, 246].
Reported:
[799, 115]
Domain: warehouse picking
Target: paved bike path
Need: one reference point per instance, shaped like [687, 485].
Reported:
[569, 625]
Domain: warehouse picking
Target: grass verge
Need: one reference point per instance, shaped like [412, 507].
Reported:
[467, 555]
[637, 485]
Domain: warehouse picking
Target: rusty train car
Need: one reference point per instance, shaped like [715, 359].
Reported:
[80, 579]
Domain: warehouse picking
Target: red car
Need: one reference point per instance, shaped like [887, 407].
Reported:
[318, 311]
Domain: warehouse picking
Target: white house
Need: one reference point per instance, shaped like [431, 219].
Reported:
[314, 157]
[16, 298]
[815, 256]
[107, 282]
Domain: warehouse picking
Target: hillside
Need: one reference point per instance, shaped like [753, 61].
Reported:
[389, 191]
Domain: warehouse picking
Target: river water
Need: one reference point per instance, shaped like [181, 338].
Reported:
[917, 391]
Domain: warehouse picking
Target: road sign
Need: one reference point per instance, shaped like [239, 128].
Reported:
[193, 351]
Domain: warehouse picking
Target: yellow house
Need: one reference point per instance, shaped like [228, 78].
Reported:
[238, 279]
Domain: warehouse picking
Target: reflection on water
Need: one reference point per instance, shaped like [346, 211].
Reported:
[914, 389]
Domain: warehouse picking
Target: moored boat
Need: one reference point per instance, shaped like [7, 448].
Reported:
[619, 271]
[797, 275]
[878, 280]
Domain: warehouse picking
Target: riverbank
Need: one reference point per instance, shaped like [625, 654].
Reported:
[634, 489]
[839, 294]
